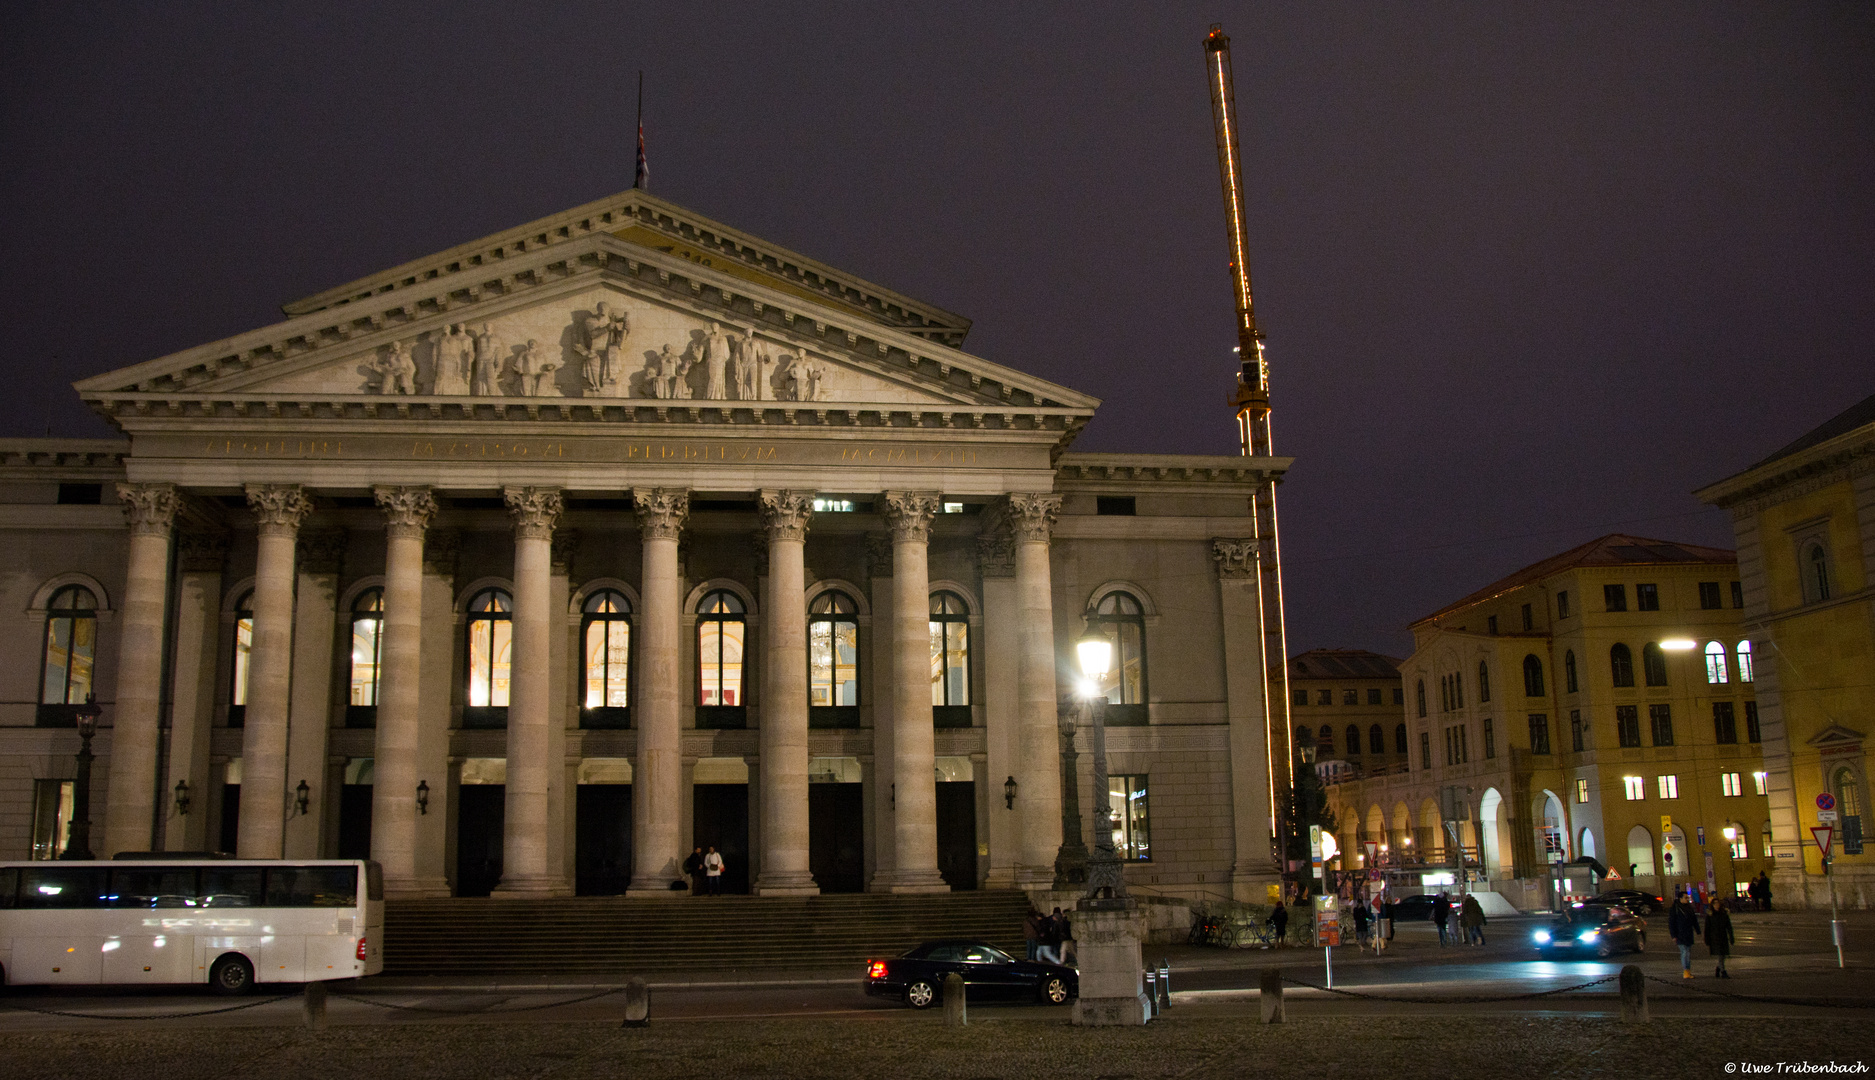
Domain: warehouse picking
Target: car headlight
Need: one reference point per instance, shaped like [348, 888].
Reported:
[1587, 935]
[1542, 937]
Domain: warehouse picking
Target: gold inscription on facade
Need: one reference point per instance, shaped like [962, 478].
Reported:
[909, 455]
[301, 448]
[423, 448]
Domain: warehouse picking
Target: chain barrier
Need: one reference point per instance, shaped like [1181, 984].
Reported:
[1470, 999]
[466, 1012]
[1683, 984]
[150, 1016]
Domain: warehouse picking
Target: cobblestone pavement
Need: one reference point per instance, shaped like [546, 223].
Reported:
[1020, 1046]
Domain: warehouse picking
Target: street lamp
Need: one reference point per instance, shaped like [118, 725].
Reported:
[1071, 857]
[1106, 885]
[78, 837]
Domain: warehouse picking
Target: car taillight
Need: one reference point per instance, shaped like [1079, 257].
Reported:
[361, 948]
[876, 970]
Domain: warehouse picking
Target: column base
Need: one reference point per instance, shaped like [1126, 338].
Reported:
[786, 885]
[910, 881]
[420, 888]
[1106, 941]
[1252, 886]
[544, 886]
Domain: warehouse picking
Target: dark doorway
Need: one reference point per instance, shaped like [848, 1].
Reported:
[720, 819]
[836, 837]
[230, 818]
[355, 821]
[957, 833]
[603, 851]
[481, 809]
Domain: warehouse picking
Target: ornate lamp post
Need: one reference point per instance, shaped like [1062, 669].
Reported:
[78, 837]
[1071, 859]
[1105, 882]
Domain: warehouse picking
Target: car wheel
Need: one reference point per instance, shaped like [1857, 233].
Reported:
[232, 974]
[1604, 949]
[920, 994]
[1640, 942]
[1054, 990]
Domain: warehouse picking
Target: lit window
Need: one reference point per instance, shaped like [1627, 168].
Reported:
[490, 648]
[1635, 787]
[1735, 839]
[1744, 661]
[1715, 662]
[1729, 785]
[1669, 786]
[1126, 798]
[52, 817]
[1764, 836]
[607, 616]
[721, 632]
[361, 707]
[1582, 791]
[1120, 617]
[836, 506]
[953, 508]
[832, 652]
[71, 645]
[1757, 782]
[243, 653]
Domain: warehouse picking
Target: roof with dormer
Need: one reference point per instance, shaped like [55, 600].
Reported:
[1615, 549]
[1343, 664]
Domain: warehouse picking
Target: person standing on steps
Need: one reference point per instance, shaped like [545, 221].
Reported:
[693, 869]
[1683, 928]
[1719, 936]
[713, 873]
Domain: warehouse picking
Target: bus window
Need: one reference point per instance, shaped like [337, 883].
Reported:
[149, 887]
[312, 886]
[9, 884]
[230, 887]
[62, 887]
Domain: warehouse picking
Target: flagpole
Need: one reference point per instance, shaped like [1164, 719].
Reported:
[641, 174]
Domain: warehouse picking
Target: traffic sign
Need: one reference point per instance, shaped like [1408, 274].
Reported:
[1827, 816]
[1666, 824]
[1825, 801]
[1823, 834]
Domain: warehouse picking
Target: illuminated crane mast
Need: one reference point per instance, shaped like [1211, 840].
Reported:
[1252, 407]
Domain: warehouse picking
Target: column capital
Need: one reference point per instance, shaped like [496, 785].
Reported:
[534, 510]
[661, 512]
[280, 508]
[1236, 557]
[407, 510]
[785, 513]
[908, 514]
[149, 509]
[996, 554]
[1032, 517]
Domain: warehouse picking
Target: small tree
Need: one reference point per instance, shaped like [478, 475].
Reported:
[1305, 804]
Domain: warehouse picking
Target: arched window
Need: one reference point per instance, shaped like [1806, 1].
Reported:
[722, 631]
[1532, 677]
[950, 661]
[1420, 697]
[1353, 741]
[606, 630]
[1744, 661]
[1848, 789]
[70, 655]
[1325, 738]
[1399, 738]
[1376, 740]
[832, 661]
[1569, 671]
[1621, 665]
[1123, 620]
[243, 656]
[1484, 682]
[1715, 662]
[1640, 852]
[491, 647]
[361, 707]
[1654, 664]
[1815, 573]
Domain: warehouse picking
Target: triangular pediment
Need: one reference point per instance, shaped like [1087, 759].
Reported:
[1835, 736]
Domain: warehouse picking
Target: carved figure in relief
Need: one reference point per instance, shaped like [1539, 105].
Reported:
[534, 369]
[715, 352]
[455, 357]
[605, 333]
[748, 365]
[397, 372]
[487, 363]
[800, 379]
[672, 367]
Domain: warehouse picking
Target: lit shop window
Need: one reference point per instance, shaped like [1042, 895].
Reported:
[1634, 787]
[1126, 798]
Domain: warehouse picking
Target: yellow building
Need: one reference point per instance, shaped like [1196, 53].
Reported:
[1805, 522]
[1598, 703]
[1346, 703]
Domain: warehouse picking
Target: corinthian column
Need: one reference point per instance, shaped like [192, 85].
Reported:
[1254, 754]
[914, 743]
[1031, 520]
[279, 509]
[407, 514]
[784, 699]
[657, 772]
[524, 832]
[130, 809]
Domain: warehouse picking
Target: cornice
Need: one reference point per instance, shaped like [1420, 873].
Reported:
[1849, 454]
[1100, 472]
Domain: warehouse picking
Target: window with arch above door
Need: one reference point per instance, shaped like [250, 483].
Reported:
[605, 633]
[950, 661]
[367, 659]
[1122, 618]
[69, 660]
[833, 661]
[490, 642]
[722, 635]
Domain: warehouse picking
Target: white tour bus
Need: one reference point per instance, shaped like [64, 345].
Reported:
[230, 923]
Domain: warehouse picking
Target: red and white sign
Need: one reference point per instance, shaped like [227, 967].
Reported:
[1823, 834]
[1826, 801]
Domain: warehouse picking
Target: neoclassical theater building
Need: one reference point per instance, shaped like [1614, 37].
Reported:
[530, 566]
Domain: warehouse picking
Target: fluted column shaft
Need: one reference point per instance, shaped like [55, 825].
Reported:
[130, 808]
[407, 513]
[524, 832]
[1031, 521]
[280, 509]
[785, 870]
[914, 742]
[657, 772]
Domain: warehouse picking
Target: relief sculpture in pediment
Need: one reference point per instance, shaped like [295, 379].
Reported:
[605, 332]
[452, 361]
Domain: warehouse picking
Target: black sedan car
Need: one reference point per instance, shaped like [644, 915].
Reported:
[989, 974]
[1599, 929]
[1636, 901]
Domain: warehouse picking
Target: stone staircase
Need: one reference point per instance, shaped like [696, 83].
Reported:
[615, 937]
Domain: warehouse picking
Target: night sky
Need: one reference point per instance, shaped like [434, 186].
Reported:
[1529, 272]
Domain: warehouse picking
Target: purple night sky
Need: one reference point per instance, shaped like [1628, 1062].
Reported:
[1529, 273]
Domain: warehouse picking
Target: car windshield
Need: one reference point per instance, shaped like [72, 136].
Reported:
[984, 954]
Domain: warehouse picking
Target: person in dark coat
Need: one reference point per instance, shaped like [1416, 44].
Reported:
[1719, 936]
[1442, 914]
[1280, 920]
[1032, 931]
[693, 869]
[1683, 928]
[1764, 889]
[1360, 921]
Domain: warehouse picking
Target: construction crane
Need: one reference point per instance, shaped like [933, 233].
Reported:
[1251, 403]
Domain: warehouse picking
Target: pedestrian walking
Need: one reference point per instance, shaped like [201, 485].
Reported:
[1471, 917]
[1279, 921]
[1442, 914]
[1764, 889]
[1719, 936]
[1361, 919]
[1032, 932]
[1683, 928]
[693, 869]
[713, 872]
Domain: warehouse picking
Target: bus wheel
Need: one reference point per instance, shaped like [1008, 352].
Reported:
[232, 974]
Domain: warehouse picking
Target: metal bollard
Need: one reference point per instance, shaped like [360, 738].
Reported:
[1165, 984]
[1633, 996]
[637, 1003]
[1152, 993]
[315, 1006]
[954, 1014]
[1271, 994]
